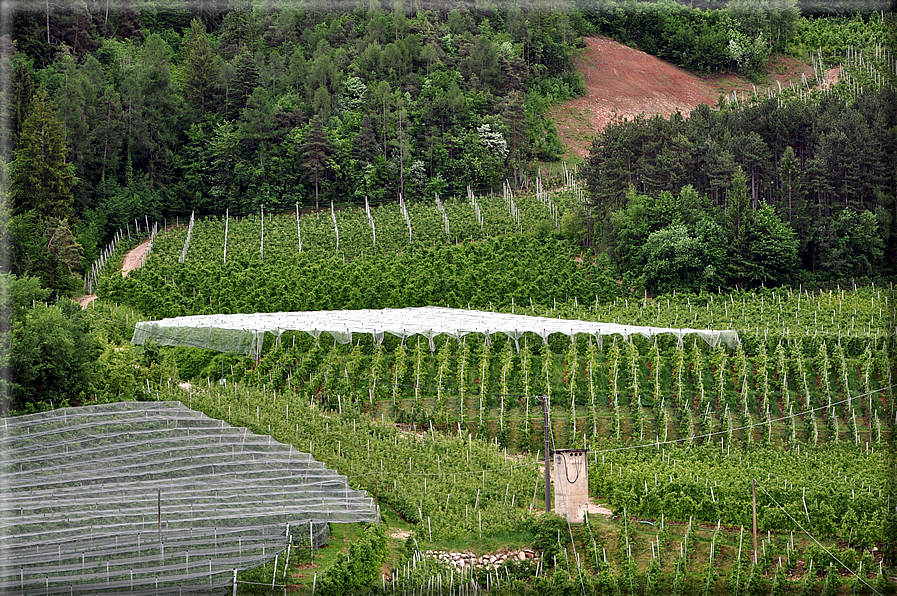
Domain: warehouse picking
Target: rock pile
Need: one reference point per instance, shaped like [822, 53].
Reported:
[468, 560]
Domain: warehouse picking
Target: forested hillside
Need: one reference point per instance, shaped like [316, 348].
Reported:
[775, 186]
[163, 108]
[765, 190]
[166, 109]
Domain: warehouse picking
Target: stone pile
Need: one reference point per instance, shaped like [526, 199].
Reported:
[468, 560]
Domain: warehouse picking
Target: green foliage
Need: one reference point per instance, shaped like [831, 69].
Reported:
[677, 260]
[749, 54]
[392, 273]
[833, 35]
[773, 22]
[821, 197]
[201, 67]
[209, 109]
[852, 245]
[830, 585]
[356, 571]
[688, 37]
[551, 536]
[51, 349]
[46, 248]
[772, 248]
[42, 177]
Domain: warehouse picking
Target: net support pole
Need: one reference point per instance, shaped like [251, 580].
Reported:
[547, 450]
[235, 583]
[160, 521]
[754, 507]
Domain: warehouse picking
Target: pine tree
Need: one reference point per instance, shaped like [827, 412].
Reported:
[246, 79]
[514, 117]
[42, 178]
[22, 92]
[790, 185]
[201, 68]
[315, 154]
[738, 215]
[365, 143]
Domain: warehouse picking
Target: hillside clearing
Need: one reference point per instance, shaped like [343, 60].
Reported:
[622, 82]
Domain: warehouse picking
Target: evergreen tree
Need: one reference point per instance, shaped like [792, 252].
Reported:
[789, 185]
[316, 153]
[514, 117]
[245, 79]
[42, 178]
[737, 220]
[160, 115]
[365, 144]
[201, 67]
[43, 182]
[22, 92]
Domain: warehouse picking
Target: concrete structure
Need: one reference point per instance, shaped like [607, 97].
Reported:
[571, 483]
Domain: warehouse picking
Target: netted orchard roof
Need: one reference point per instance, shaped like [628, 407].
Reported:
[82, 490]
[244, 333]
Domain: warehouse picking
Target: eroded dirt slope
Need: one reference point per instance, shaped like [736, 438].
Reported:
[622, 82]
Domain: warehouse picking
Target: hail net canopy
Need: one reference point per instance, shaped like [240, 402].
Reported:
[151, 498]
[245, 333]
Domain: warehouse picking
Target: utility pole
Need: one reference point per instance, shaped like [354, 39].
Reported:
[544, 399]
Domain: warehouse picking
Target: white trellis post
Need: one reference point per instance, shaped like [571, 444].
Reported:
[298, 229]
[226, 224]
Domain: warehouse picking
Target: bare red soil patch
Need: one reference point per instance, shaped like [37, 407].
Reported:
[132, 259]
[622, 82]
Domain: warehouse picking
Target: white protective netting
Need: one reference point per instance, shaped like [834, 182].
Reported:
[85, 489]
[245, 333]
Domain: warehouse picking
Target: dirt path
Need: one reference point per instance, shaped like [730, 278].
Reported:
[599, 509]
[622, 82]
[131, 262]
[86, 299]
[132, 259]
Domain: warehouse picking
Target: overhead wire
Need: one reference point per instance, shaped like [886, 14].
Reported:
[819, 544]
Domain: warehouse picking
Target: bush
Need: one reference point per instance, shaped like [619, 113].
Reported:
[551, 535]
[358, 569]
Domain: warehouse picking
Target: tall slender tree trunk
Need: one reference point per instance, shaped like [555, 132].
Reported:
[106, 140]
